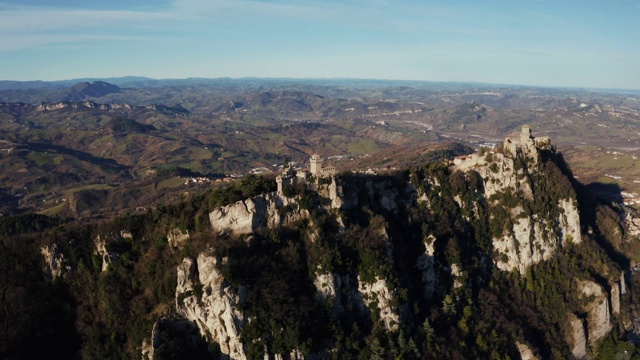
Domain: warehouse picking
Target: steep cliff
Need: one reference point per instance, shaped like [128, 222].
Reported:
[376, 242]
[597, 308]
[512, 186]
[55, 263]
[245, 216]
[177, 238]
[106, 247]
[495, 259]
[203, 297]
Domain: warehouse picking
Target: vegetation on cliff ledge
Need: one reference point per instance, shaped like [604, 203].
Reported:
[468, 309]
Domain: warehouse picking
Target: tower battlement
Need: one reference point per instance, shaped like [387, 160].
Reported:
[527, 142]
[317, 169]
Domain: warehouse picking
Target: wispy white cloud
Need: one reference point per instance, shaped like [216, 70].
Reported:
[25, 41]
[29, 18]
[270, 9]
[37, 25]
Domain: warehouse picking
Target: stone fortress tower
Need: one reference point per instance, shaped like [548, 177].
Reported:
[527, 142]
[290, 176]
[315, 164]
[525, 134]
[317, 169]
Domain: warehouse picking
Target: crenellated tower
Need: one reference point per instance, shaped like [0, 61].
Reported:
[316, 164]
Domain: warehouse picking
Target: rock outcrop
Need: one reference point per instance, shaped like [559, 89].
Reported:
[426, 264]
[101, 244]
[525, 352]
[177, 238]
[378, 293]
[165, 329]
[532, 238]
[597, 308]
[149, 345]
[597, 323]
[55, 263]
[203, 296]
[569, 220]
[577, 337]
[246, 216]
[328, 286]
[615, 299]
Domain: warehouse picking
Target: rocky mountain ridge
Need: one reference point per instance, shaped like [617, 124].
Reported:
[409, 264]
[507, 185]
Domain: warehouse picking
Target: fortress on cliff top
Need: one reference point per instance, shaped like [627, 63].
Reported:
[526, 143]
[290, 176]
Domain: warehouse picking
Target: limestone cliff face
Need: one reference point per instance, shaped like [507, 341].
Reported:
[101, 242]
[525, 352]
[378, 293]
[500, 174]
[149, 345]
[504, 187]
[597, 308]
[245, 216]
[597, 323]
[569, 220]
[184, 327]
[177, 238]
[273, 210]
[577, 337]
[203, 297]
[329, 286]
[375, 296]
[426, 264]
[55, 263]
[532, 237]
[615, 299]
[381, 194]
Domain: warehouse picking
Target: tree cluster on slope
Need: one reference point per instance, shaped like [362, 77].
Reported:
[108, 314]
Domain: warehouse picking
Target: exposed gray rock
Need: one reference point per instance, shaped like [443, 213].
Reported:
[100, 243]
[177, 239]
[378, 292]
[569, 220]
[426, 264]
[598, 318]
[525, 352]
[246, 216]
[55, 263]
[215, 310]
[328, 286]
[176, 326]
[531, 239]
[149, 345]
[615, 299]
[577, 337]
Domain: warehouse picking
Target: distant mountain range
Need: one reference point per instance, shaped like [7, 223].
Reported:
[70, 135]
[85, 90]
[61, 84]
[141, 81]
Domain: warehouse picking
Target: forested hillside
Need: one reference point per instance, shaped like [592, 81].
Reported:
[510, 258]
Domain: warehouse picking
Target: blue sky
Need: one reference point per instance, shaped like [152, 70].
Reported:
[580, 43]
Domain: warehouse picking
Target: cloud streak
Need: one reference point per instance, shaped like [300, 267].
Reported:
[298, 37]
[26, 26]
[31, 19]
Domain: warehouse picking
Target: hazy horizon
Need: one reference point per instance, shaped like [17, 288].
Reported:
[577, 44]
